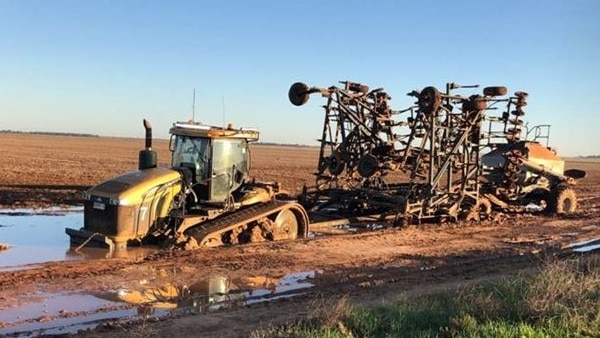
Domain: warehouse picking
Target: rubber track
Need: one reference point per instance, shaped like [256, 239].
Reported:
[235, 219]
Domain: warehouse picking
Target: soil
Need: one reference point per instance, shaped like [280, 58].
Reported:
[367, 268]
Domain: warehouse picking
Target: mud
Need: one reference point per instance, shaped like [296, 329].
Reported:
[69, 312]
[35, 236]
[370, 267]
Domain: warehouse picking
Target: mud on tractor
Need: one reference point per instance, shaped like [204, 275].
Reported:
[444, 157]
[205, 199]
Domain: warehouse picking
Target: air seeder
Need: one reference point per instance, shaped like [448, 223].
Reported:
[456, 159]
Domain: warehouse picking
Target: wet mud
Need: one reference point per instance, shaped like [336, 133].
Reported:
[148, 299]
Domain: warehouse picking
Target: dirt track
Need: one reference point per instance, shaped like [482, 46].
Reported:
[369, 267]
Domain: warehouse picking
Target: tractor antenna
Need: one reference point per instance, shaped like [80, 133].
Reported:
[223, 108]
[194, 106]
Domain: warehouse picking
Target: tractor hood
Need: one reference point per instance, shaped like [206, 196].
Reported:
[130, 188]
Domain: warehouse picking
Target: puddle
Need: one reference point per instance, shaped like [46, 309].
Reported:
[585, 246]
[212, 294]
[532, 207]
[35, 236]
[63, 313]
[38, 235]
[346, 228]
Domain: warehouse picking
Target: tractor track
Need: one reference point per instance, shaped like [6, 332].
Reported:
[242, 217]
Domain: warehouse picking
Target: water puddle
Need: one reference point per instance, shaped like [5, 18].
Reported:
[346, 228]
[38, 235]
[62, 313]
[532, 207]
[212, 294]
[585, 246]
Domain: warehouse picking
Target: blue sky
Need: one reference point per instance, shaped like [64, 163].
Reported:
[102, 66]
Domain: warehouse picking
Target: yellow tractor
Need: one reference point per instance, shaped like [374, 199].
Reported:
[206, 198]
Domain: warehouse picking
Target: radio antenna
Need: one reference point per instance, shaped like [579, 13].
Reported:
[194, 106]
[223, 108]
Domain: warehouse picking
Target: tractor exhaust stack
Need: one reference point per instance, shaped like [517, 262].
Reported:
[148, 157]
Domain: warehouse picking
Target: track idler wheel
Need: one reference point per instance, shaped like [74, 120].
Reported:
[298, 94]
[211, 241]
[430, 100]
[368, 165]
[285, 225]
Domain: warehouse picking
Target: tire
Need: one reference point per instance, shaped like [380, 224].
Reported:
[298, 94]
[495, 91]
[430, 100]
[542, 198]
[474, 104]
[336, 164]
[403, 220]
[357, 87]
[522, 95]
[368, 165]
[563, 201]
[323, 164]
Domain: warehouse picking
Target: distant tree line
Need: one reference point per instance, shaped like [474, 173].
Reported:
[48, 133]
[284, 144]
[590, 156]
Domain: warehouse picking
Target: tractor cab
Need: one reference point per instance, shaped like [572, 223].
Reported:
[215, 161]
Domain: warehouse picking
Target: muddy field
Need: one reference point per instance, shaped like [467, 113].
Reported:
[231, 291]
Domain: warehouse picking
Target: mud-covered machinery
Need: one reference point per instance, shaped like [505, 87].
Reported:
[428, 161]
[206, 198]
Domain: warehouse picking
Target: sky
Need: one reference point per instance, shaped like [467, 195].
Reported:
[101, 66]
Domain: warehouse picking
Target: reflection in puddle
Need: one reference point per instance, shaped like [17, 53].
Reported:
[63, 313]
[214, 293]
[346, 228]
[134, 253]
[585, 246]
[38, 235]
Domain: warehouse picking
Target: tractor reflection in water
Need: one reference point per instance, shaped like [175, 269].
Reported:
[212, 294]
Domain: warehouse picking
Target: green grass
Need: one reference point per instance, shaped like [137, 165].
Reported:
[561, 300]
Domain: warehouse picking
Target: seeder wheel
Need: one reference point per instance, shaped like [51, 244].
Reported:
[298, 94]
[429, 100]
[367, 166]
[495, 91]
